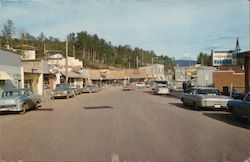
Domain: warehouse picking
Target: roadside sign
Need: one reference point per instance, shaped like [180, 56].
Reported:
[224, 57]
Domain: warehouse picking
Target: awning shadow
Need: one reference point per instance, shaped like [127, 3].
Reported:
[98, 107]
[227, 118]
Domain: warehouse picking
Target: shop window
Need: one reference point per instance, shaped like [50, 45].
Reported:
[2, 82]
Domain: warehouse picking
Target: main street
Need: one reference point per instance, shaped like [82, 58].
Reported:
[116, 125]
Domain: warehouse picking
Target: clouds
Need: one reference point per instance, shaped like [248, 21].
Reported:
[167, 27]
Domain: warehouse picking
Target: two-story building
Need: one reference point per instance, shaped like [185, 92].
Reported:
[11, 72]
[154, 71]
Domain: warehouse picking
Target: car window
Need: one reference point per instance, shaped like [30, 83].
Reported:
[207, 91]
[30, 93]
[10, 94]
[62, 86]
[248, 97]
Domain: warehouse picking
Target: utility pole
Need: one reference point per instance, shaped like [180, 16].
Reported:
[66, 62]
[44, 52]
[152, 60]
[73, 51]
[141, 57]
[137, 62]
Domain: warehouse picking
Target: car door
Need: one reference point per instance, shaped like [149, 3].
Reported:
[246, 106]
[32, 98]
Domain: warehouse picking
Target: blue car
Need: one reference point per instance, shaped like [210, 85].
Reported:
[19, 100]
[240, 107]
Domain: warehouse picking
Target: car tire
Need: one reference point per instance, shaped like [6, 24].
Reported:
[67, 97]
[25, 108]
[36, 106]
[233, 113]
[52, 98]
[195, 107]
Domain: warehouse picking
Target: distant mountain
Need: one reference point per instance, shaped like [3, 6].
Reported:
[185, 62]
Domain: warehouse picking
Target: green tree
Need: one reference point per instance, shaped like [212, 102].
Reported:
[8, 32]
[204, 59]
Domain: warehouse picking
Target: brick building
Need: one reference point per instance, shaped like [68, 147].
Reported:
[246, 56]
[224, 79]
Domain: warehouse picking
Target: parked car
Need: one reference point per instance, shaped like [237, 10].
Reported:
[128, 87]
[204, 97]
[155, 83]
[161, 89]
[62, 90]
[19, 100]
[240, 107]
[140, 85]
[91, 88]
[77, 90]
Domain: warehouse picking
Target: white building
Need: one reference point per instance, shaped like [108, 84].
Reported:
[75, 70]
[154, 71]
[205, 76]
[36, 75]
[11, 72]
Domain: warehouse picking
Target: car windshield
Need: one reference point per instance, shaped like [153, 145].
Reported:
[161, 82]
[14, 93]
[62, 86]
[207, 91]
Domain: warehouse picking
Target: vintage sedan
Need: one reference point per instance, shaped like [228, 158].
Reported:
[62, 90]
[19, 100]
[128, 87]
[140, 85]
[77, 90]
[240, 108]
[161, 89]
[205, 97]
[91, 88]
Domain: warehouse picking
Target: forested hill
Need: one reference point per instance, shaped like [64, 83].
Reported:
[95, 52]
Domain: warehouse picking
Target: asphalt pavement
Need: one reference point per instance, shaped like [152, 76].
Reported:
[122, 126]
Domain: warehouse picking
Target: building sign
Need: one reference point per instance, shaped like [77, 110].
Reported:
[224, 58]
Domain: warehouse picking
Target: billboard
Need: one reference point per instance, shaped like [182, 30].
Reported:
[224, 57]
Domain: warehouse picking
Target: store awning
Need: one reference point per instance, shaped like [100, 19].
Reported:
[4, 76]
[73, 75]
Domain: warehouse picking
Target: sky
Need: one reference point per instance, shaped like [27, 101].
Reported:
[176, 28]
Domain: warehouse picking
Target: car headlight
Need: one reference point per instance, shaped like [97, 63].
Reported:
[52, 92]
[18, 103]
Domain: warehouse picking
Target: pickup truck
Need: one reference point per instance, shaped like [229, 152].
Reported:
[240, 107]
[207, 97]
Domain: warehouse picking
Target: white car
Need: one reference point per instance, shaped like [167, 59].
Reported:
[162, 89]
[140, 85]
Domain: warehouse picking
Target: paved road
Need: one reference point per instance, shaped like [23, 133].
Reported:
[118, 126]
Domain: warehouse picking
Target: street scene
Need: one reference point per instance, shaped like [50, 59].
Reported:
[125, 81]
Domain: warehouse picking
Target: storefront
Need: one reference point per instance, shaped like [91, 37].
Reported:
[11, 74]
